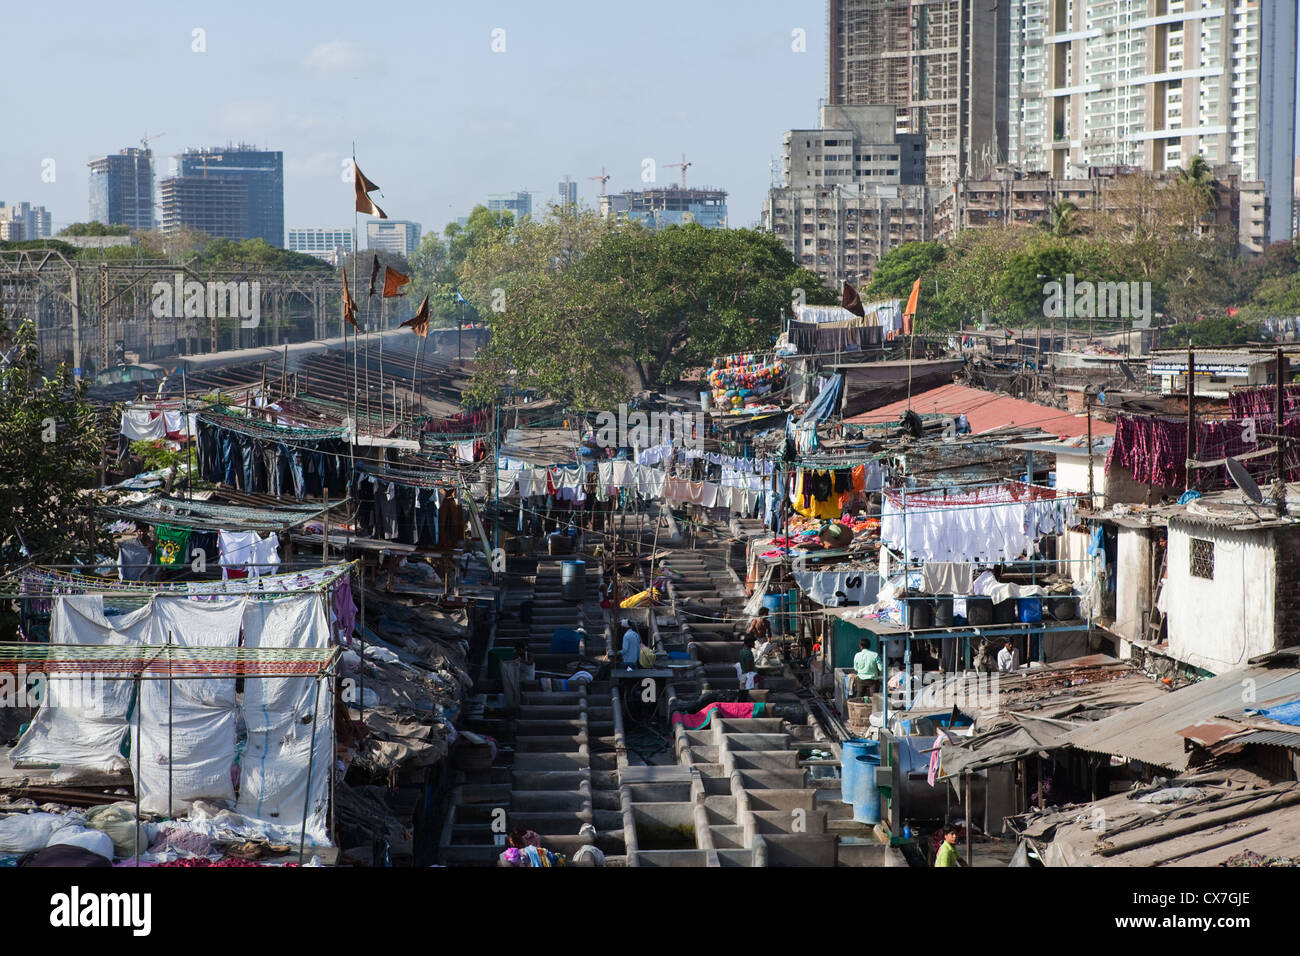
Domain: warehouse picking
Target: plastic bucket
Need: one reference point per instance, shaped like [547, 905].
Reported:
[850, 751]
[866, 798]
[774, 603]
[1031, 610]
[920, 613]
[979, 611]
[706, 401]
[495, 656]
[573, 579]
[566, 641]
[943, 611]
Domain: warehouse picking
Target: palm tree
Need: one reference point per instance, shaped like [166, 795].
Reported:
[1198, 175]
[1064, 219]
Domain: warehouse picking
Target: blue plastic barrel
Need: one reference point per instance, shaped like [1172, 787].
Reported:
[774, 603]
[573, 579]
[1031, 610]
[850, 751]
[565, 641]
[866, 798]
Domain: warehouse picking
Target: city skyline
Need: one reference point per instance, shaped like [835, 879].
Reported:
[440, 121]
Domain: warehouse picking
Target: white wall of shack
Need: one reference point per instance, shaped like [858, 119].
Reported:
[1133, 597]
[1219, 624]
[1072, 475]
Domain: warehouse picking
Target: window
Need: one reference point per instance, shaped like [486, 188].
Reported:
[1202, 555]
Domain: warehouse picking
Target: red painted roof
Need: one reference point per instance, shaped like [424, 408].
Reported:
[987, 411]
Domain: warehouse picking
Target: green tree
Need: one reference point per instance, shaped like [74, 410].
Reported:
[901, 266]
[50, 445]
[1063, 219]
[94, 228]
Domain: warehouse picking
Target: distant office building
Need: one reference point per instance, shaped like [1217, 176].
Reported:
[328, 244]
[668, 206]
[1152, 84]
[521, 204]
[399, 236]
[568, 191]
[24, 221]
[237, 191]
[121, 189]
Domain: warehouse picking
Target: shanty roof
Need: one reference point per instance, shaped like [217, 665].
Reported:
[1152, 732]
[986, 411]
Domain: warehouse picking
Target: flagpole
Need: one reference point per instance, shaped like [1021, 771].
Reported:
[382, 310]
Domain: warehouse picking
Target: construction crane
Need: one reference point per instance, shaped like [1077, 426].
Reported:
[682, 165]
[146, 139]
[603, 177]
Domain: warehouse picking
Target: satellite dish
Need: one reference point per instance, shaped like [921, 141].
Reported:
[1241, 478]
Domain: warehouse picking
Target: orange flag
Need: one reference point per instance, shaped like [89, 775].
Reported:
[349, 304]
[910, 312]
[419, 323]
[393, 282]
[364, 202]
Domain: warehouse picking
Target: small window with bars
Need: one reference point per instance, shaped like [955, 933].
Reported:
[1202, 559]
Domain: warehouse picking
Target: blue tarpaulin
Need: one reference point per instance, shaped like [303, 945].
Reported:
[1288, 713]
[824, 404]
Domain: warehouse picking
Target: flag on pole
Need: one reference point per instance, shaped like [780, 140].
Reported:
[393, 282]
[850, 300]
[374, 272]
[349, 304]
[419, 323]
[364, 186]
[910, 312]
[460, 298]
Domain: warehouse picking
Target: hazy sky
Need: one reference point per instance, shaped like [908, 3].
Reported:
[439, 118]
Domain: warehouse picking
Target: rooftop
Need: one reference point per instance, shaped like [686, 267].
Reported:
[987, 411]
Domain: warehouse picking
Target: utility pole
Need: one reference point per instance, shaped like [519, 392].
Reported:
[1279, 410]
[1087, 398]
[1191, 416]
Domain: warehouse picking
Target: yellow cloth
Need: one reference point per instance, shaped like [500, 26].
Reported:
[830, 508]
[641, 597]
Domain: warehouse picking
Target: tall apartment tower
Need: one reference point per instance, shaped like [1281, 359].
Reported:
[235, 193]
[942, 64]
[568, 191]
[1152, 83]
[121, 189]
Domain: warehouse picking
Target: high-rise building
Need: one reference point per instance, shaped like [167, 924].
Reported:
[24, 221]
[328, 244]
[943, 66]
[1152, 83]
[237, 190]
[521, 204]
[121, 189]
[568, 191]
[852, 190]
[668, 206]
[398, 236]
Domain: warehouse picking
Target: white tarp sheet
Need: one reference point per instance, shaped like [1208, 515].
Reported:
[82, 720]
[278, 713]
[201, 739]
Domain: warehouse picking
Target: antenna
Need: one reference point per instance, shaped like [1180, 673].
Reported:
[683, 165]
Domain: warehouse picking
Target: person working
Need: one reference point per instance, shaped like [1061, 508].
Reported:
[631, 644]
[746, 668]
[947, 855]
[866, 664]
[1008, 658]
[760, 628]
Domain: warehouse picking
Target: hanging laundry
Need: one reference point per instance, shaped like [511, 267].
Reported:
[173, 545]
[247, 554]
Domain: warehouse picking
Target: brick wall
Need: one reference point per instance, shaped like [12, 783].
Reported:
[1287, 594]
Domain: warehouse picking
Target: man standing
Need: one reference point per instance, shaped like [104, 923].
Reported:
[866, 664]
[1008, 658]
[631, 644]
[760, 628]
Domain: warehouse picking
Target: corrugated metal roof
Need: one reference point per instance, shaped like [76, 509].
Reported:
[1275, 738]
[1150, 731]
[986, 411]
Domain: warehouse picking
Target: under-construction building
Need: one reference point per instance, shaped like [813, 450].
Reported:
[943, 66]
[667, 206]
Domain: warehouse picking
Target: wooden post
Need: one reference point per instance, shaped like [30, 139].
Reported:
[970, 859]
[1191, 415]
[1087, 399]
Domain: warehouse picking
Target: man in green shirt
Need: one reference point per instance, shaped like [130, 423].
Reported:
[866, 663]
[947, 855]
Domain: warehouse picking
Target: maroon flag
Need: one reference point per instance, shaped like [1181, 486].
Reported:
[419, 323]
[852, 301]
[393, 282]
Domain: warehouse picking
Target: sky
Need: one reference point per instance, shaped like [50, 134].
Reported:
[440, 119]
